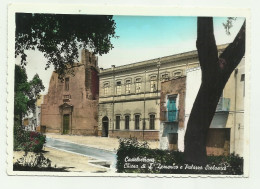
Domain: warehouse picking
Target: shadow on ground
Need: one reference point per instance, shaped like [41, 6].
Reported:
[48, 169]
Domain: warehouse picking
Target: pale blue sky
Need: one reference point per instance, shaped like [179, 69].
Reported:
[147, 37]
[144, 31]
[142, 38]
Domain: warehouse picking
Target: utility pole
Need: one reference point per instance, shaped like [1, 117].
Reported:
[113, 68]
[144, 123]
[158, 77]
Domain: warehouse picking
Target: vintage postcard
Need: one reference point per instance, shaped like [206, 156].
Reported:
[128, 91]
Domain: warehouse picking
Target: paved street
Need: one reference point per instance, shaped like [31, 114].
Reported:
[101, 150]
[105, 143]
[102, 157]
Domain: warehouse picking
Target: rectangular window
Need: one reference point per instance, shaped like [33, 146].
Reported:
[242, 77]
[118, 88]
[127, 86]
[153, 84]
[137, 121]
[67, 87]
[106, 89]
[117, 122]
[138, 85]
[152, 119]
[172, 109]
[127, 122]
[243, 80]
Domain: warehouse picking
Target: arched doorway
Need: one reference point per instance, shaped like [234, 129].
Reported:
[105, 126]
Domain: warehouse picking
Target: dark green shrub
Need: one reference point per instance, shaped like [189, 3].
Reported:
[30, 141]
[137, 157]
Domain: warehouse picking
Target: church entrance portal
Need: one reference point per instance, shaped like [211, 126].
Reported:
[66, 123]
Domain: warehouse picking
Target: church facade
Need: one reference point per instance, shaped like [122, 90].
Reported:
[71, 105]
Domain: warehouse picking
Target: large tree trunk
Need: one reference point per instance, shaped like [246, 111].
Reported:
[215, 74]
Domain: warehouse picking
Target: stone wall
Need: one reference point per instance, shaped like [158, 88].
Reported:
[140, 135]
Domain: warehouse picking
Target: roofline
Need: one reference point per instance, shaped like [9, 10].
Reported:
[163, 60]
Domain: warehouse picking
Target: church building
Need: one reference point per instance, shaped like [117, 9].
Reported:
[71, 105]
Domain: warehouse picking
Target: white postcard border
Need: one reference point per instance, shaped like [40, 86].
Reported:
[120, 10]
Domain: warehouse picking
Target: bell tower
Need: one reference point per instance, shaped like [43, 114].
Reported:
[90, 62]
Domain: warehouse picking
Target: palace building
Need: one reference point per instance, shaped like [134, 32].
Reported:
[71, 105]
[129, 100]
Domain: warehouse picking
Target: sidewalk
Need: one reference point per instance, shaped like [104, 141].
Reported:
[61, 159]
[105, 143]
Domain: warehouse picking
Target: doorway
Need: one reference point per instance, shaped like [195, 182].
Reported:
[66, 123]
[173, 141]
[105, 126]
[218, 141]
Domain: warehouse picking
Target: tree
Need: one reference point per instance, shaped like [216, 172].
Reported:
[36, 86]
[59, 36]
[215, 74]
[26, 93]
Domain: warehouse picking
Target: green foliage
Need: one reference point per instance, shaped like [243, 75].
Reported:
[58, 36]
[36, 86]
[26, 93]
[170, 162]
[21, 88]
[28, 141]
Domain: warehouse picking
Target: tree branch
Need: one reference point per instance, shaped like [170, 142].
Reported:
[206, 44]
[235, 51]
[75, 66]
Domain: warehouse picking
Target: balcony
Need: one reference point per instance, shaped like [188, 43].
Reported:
[223, 105]
[169, 116]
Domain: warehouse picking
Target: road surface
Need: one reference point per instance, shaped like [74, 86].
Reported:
[99, 154]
